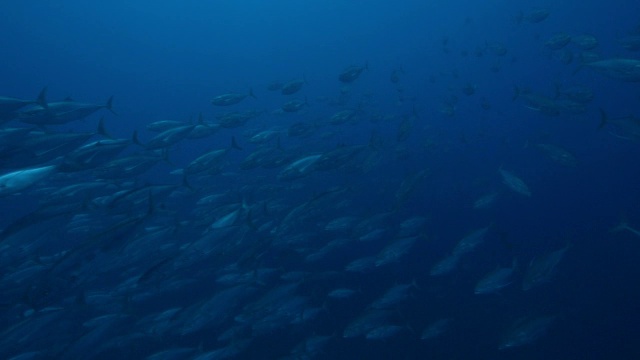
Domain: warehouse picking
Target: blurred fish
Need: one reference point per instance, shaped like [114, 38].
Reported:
[618, 68]
[585, 41]
[534, 16]
[631, 42]
[294, 105]
[166, 138]
[351, 73]
[292, 86]
[542, 268]
[436, 329]
[514, 183]
[627, 127]
[496, 280]
[558, 154]
[525, 331]
[558, 41]
[61, 112]
[231, 98]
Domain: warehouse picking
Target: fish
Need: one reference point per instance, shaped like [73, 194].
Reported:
[395, 251]
[534, 16]
[292, 86]
[445, 265]
[558, 154]
[294, 105]
[352, 73]
[558, 41]
[526, 331]
[210, 162]
[486, 201]
[514, 183]
[471, 241]
[9, 105]
[496, 280]
[16, 181]
[542, 268]
[384, 332]
[436, 329]
[299, 168]
[585, 41]
[393, 296]
[166, 138]
[631, 42]
[62, 112]
[618, 68]
[538, 102]
[624, 226]
[627, 127]
[236, 119]
[231, 98]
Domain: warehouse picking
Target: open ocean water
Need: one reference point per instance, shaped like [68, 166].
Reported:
[319, 179]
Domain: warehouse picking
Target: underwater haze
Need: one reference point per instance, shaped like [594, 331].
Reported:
[319, 179]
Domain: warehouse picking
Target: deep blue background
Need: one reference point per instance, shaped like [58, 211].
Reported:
[167, 59]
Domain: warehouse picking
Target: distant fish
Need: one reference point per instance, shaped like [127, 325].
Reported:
[535, 16]
[445, 266]
[231, 98]
[292, 86]
[436, 329]
[294, 105]
[352, 73]
[471, 241]
[526, 331]
[624, 226]
[61, 112]
[485, 201]
[496, 280]
[558, 41]
[558, 154]
[514, 183]
[626, 127]
[542, 268]
[618, 68]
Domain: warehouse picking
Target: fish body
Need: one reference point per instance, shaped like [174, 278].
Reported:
[231, 98]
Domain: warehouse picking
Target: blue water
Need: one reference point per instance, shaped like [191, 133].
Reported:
[166, 60]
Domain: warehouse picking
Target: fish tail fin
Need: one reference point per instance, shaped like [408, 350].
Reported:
[102, 130]
[251, 93]
[109, 105]
[603, 119]
[234, 144]
[42, 98]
